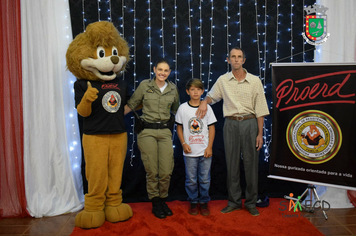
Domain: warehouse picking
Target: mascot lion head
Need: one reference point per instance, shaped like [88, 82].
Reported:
[99, 53]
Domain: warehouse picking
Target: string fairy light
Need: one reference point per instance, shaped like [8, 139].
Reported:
[201, 42]
[162, 29]
[150, 37]
[211, 44]
[227, 33]
[176, 54]
[265, 45]
[109, 10]
[240, 25]
[175, 60]
[134, 74]
[98, 10]
[132, 133]
[291, 30]
[83, 14]
[123, 7]
[277, 30]
[262, 66]
[175, 43]
[71, 114]
[258, 39]
[190, 15]
[267, 142]
[134, 44]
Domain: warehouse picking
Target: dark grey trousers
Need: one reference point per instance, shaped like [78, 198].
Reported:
[240, 143]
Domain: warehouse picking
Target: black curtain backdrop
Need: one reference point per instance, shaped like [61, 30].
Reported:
[260, 43]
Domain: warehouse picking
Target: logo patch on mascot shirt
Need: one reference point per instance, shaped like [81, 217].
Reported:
[111, 101]
[314, 136]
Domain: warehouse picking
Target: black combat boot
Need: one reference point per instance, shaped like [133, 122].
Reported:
[157, 209]
[165, 208]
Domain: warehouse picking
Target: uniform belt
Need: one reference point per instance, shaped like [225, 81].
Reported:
[155, 125]
[241, 117]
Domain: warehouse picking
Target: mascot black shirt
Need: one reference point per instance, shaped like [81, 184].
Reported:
[107, 116]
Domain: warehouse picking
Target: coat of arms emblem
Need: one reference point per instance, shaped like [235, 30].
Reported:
[315, 24]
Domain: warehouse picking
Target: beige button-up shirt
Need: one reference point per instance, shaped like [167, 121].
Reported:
[240, 98]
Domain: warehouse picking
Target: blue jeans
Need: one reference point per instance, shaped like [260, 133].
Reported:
[197, 179]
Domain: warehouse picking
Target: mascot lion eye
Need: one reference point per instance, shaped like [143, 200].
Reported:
[100, 52]
[114, 51]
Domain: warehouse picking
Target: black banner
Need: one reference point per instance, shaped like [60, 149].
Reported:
[314, 123]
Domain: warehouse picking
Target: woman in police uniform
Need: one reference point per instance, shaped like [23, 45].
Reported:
[159, 99]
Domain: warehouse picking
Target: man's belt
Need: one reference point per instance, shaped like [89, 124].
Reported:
[241, 117]
[155, 125]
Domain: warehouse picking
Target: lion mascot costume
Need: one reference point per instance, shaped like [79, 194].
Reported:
[96, 57]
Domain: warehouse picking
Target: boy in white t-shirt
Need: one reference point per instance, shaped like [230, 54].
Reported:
[197, 137]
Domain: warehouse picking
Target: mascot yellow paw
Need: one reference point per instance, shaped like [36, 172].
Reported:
[90, 219]
[120, 213]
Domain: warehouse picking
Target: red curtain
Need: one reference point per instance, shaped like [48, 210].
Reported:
[12, 183]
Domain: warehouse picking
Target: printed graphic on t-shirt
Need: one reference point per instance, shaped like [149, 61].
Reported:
[195, 125]
[111, 101]
[195, 129]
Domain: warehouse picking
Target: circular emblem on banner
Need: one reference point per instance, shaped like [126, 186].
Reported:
[111, 101]
[314, 136]
[196, 125]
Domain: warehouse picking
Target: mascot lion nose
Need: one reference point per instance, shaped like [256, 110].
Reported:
[115, 59]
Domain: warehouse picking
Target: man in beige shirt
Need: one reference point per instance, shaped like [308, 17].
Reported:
[244, 109]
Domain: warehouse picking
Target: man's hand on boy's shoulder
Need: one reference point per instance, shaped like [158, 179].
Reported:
[202, 109]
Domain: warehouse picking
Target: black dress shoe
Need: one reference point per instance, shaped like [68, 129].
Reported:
[166, 210]
[157, 209]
